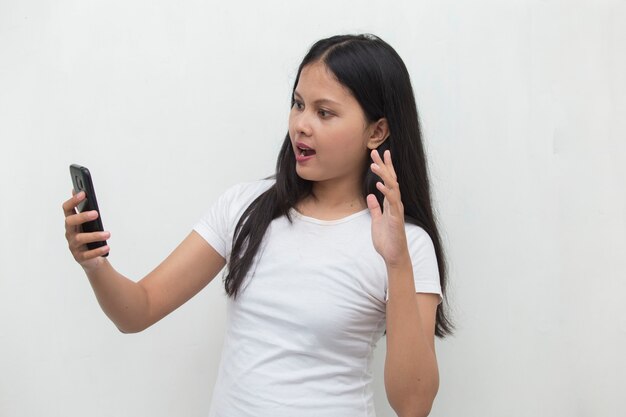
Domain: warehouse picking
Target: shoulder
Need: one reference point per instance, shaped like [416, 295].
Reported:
[217, 224]
[245, 192]
[417, 236]
[424, 259]
[236, 198]
[421, 246]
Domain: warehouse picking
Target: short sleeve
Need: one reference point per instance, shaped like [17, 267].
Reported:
[217, 225]
[214, 226]
[424, 260]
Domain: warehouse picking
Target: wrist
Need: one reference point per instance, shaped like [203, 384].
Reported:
[92, 268]
[401, 262]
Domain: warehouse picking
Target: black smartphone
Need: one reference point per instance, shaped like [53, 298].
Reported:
[81, 178]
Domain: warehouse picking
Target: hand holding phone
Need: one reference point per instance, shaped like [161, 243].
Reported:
[81, 179]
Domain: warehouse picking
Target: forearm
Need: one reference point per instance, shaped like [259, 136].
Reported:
[124, 301]
[411, 373]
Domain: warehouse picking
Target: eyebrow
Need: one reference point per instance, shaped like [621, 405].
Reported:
[319, 101]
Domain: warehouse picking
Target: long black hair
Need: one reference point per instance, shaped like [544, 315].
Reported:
[378, 79]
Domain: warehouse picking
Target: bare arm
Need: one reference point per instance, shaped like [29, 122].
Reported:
[135, 306]
[411, 370]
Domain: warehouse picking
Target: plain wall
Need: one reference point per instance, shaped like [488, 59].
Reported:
[522, 105]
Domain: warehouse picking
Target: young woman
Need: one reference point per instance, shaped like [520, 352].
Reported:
[336, 249]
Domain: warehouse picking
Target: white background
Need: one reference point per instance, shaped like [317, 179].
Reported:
[169, 103]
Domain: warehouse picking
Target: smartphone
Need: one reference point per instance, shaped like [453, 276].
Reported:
[81, 178]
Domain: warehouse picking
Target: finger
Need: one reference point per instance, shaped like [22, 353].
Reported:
[90, 237]
[68, 205]
[376, 157]
[383, 171]
[383, 189]
[80, 218]
[392, 196]
[380, 167]
[93, 253]
[374, 206]
[386, 175]
[79, 242]
[389, 164]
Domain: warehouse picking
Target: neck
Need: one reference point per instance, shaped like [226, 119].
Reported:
[338, 194]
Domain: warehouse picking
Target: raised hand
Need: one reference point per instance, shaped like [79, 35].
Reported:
[388, 234]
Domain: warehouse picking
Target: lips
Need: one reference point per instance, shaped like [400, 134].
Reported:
[304, 149]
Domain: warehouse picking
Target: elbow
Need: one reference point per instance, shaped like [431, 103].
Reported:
[125, 330]
[421, 410]
[130, 329]
[418, 405]
[129, 325]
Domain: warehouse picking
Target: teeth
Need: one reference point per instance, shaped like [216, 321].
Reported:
[304, 151]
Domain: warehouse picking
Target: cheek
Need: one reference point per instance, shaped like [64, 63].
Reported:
[290, 125]
[346, 139]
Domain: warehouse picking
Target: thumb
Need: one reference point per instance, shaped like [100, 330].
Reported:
[374, 206]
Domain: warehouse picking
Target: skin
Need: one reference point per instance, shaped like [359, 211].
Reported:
[411, 370]
[341, 137]
[344, 141]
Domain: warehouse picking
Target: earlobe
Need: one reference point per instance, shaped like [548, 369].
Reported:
[380, 133]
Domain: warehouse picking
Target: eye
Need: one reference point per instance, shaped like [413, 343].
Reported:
[297, 104]
[324, 113]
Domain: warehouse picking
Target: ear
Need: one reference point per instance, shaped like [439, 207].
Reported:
[379, 133]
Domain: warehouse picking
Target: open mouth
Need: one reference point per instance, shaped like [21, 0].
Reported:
[306, 152]
[304, 149]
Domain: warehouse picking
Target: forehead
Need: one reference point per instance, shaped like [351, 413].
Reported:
[318, 82]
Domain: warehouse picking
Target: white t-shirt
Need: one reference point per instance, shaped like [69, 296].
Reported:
[301, 333]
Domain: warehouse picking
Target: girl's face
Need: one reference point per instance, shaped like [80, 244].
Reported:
[327, 118]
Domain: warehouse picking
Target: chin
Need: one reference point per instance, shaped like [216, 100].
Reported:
[305, 175]
[312, 174]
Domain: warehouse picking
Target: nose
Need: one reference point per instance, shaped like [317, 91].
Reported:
[301, 123]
